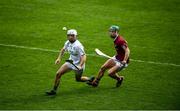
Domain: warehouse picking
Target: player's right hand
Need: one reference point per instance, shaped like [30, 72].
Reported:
[57, 61]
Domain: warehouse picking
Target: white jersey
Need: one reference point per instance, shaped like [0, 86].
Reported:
[75, 49]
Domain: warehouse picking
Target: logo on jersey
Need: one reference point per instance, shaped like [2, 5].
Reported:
[72, 50]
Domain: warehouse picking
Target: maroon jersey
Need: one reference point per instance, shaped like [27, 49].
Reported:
[119, 43]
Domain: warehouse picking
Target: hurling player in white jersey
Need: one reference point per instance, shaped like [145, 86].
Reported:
[77, 55]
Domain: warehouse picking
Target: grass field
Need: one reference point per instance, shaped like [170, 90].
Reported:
[151, 27]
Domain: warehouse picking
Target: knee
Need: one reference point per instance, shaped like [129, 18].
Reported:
[110, 73]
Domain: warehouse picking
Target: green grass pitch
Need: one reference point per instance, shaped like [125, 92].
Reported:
[151, 27]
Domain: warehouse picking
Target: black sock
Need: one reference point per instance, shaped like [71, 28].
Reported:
[55, 88]
[115, 77]
[97, 80]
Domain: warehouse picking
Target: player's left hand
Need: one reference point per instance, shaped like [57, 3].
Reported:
[123, 62]
[79, 67]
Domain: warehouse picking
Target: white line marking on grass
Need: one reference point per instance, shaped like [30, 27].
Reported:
[49, 50]
[31, 48]
[158, 63]
[136, 46]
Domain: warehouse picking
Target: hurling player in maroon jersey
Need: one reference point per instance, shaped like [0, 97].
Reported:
[116, 63]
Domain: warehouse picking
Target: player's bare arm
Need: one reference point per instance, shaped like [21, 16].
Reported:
[127, 52]
[82, 60]
[61, 53]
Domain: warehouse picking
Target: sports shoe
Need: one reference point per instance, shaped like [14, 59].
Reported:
[91, 79]
[119, 82]
[93, 83]
[52, 92]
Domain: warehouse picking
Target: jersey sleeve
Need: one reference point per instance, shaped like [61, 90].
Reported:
[80, 50]
[123, 44]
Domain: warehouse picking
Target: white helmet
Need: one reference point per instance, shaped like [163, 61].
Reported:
[72, 32]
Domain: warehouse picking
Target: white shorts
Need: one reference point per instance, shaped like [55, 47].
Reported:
[77, 72]
[73, 67]
[118, 63]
